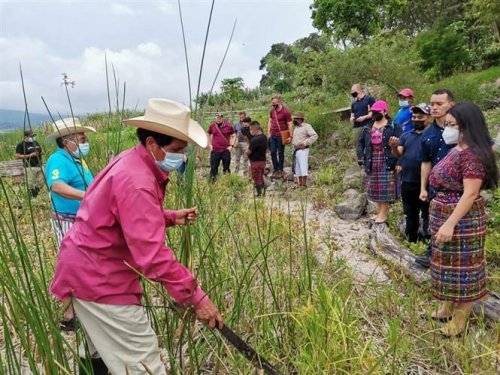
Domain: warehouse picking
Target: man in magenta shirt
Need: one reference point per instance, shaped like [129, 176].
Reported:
[119, 231]
[222, 137]
[280, 119]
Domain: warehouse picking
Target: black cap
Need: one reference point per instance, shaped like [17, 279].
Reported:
[29, 133]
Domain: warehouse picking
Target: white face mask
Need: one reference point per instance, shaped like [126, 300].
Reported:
[450, 135]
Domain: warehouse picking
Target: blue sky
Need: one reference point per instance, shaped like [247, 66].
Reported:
[142, 40]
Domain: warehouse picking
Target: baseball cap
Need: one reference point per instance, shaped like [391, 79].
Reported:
[380, 106]
[299, 115]
[219, 114]
[406, 93]
[422, 107]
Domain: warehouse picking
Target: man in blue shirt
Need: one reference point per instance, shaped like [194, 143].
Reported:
[434, 149]
[409, 151]
[68, 177]
[360, 110]
[404, 115]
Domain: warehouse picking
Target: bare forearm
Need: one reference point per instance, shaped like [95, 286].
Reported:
[425, 171]
[67, 191]
[396, 151]
[463, 206]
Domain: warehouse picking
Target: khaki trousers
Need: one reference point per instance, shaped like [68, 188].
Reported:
[122, 336]
[356, 134]
[35, 177]
[239, 152]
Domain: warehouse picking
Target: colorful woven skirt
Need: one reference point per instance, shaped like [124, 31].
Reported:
[457, 267]
[381, 184]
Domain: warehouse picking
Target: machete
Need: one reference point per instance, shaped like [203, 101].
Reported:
[247, 351]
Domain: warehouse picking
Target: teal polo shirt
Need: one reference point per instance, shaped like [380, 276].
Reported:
[62, 167]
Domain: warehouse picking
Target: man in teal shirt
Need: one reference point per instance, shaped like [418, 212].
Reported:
[68, 177]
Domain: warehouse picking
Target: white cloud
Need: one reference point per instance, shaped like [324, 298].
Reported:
[167, 7]
[149, 49]
[122, 10]
[149, 70]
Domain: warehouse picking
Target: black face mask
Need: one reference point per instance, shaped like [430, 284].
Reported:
[377, 116]
[418, 125]
[354, 94]
[275, 106]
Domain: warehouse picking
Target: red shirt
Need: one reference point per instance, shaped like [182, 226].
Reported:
[220, 142]
[279, 120]
[121, 224]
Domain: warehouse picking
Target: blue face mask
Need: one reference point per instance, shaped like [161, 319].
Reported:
[82, 150]
[171, 162]
[403, 103]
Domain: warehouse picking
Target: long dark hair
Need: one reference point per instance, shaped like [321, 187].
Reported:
[475, 134]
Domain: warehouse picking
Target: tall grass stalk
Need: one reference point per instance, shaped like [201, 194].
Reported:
[185, 55]
[218, 71]
[203, 54]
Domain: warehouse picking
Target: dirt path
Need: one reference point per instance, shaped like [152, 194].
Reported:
[349, 239]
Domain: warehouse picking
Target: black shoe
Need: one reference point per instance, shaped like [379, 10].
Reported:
[423, 261]
[94, 365]
[68, 325]
[34, 192]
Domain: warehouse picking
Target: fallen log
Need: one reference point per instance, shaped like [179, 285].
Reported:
[383, 244]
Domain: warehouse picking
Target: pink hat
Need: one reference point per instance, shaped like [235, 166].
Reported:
[380, 106]
[406, 93]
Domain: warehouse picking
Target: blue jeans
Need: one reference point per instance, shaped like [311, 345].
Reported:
[277, 152]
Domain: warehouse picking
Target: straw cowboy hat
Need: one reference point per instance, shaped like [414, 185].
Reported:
[67, 126]
[171, 118]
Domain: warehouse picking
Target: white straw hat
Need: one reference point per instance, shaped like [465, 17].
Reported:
[67, 126]
[171, 118]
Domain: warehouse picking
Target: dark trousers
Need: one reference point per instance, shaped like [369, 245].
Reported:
[277, 152]
[215, 159]
[413, 207]
[257, 168]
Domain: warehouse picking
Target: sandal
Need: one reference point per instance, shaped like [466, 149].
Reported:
[443, 319]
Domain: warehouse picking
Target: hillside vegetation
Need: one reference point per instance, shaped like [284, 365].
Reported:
[274, 267]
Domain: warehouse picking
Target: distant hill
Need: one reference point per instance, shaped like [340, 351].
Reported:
[12, 120]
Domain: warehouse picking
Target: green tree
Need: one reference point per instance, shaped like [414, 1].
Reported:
[232, 89]
[488, 13]
[347, 21]
[444, 49]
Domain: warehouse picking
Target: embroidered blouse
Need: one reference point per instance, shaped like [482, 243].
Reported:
[449, 173]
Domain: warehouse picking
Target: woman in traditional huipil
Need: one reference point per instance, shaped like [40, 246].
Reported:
[374, 152]
[457, 216]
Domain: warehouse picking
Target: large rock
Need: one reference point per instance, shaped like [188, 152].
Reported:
[335, 138]
[371, 208]
[354, 177]
[331, 160]
[353, 206]
[487, 196]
